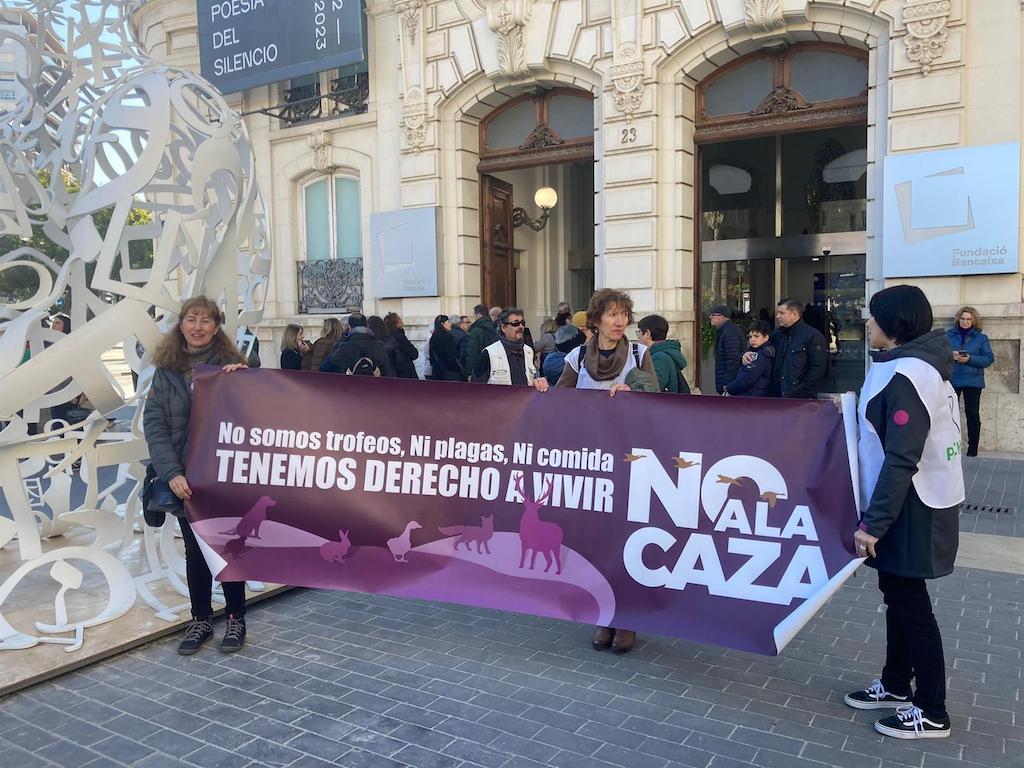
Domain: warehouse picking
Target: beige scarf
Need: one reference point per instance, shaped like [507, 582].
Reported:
[603, 368]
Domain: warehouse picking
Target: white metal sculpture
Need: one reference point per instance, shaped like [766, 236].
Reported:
[134, 134]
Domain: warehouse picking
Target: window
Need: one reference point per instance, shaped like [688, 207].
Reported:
[331, 277]
[539, 128]
[332, 219]
[322, 95]
[810, 85]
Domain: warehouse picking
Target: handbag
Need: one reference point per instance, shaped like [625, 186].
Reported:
[158, 500]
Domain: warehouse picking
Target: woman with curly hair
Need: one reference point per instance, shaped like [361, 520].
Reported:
[604, 362]
[197, 339]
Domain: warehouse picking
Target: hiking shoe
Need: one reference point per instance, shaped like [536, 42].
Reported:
[875, 697]
[910, 722]
[234, 635]
[197, 632]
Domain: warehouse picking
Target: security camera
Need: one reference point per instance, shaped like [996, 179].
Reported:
[826, 251]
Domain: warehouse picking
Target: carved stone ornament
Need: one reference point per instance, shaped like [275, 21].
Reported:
[508, 19]
[763, 16]
[409, 10]
[414, 118]
[927, 35]
[781, 99]
[320, 143]
[628, 80]
[542, 136]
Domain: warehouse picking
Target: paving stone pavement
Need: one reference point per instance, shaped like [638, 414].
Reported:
[361, 680]
[995, 496]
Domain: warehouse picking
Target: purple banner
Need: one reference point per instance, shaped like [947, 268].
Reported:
[720, 520]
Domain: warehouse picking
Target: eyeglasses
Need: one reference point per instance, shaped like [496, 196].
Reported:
[515, 323]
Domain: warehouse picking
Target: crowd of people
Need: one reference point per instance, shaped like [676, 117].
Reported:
[912, 491]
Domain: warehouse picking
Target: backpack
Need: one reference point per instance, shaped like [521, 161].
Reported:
[364, 366]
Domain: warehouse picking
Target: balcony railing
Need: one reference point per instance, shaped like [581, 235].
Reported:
[330, 285]
[349, 95]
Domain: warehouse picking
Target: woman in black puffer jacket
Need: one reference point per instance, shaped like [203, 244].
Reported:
[197, 339]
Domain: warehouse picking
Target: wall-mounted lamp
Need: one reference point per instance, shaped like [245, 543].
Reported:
[546, 198]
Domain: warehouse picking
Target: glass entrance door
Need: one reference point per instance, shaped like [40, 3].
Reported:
[832, 290]
[830, 287]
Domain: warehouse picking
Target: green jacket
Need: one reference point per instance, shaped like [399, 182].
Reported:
[669, 362]
[481, 336]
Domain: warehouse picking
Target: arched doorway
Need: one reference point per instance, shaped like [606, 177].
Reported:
[530, 257]
[782, 193]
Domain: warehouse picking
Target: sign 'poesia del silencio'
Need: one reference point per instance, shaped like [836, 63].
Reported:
[245, 43]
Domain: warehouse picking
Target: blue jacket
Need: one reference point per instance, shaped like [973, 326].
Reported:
[754, 380]
[971, 373]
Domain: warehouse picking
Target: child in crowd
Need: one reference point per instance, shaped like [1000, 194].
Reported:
[755, 378]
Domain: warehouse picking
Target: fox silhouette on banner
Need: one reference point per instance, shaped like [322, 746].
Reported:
[661, 513]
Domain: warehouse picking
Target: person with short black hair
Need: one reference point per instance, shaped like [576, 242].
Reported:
[801, 354]
[666, 354]
[481, 334]
[360, 353]
[912, 486]
[728, 345]
[754, 378]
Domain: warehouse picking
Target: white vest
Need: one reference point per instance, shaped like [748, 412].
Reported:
[583, 377]
[501, 372]
[939, 481]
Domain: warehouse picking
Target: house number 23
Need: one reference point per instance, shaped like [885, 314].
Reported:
[628, 136]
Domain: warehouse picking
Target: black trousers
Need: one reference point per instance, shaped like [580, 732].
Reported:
[200, 580]
[913, 648]
[972, 402]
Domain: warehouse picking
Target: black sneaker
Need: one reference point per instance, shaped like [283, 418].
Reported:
[234, 635]
[197, 632]
[875, 697]
[910, 722]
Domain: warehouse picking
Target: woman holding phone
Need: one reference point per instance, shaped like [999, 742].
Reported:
[972, 354]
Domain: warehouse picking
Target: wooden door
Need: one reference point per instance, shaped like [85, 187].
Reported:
[497, 262]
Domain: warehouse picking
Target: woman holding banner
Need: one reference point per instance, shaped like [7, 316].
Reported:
[604, 362]
[911, 487]
[196, 339]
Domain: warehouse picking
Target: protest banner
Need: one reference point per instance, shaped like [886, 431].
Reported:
[721, 520]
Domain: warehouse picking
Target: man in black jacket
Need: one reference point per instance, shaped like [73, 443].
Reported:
[360, 353]
[801, 355]
[728, 346]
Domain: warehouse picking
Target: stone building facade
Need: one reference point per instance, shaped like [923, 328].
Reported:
[448, 84]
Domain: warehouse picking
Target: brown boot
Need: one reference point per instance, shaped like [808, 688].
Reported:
[624, 639]
[603, 638]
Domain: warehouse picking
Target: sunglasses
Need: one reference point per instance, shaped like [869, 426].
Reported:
[515, 323]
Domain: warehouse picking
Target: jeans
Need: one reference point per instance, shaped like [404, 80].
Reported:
[972, 402]
[200, 580]
[913, 645]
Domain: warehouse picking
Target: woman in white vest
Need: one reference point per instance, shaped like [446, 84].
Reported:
[604, 362]
[912, 485]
